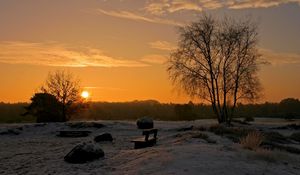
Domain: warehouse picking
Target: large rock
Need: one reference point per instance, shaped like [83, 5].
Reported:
[144, 123]
[83, 153]
[103, 137]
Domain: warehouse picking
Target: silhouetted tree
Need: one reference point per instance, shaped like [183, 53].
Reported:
[289, 107]
[65, 88]
[45, 107]
[185, 111]
[217, 61]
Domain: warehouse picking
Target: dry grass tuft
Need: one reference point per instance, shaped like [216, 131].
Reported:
[252, 141]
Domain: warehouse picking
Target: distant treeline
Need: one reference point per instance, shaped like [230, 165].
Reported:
[12, 113]
[288, 108]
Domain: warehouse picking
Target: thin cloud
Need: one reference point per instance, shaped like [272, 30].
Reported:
[55, 54]
[155, 59]
[258, 3]
[162, 7]
[157, 7]
[184, 5]
[278, 59]
[162, 45]
[137, 17]
[212, 4]
[166, 6]
[154, 10]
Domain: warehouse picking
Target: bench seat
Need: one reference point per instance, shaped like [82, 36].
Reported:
[73, 133]
[145, 141]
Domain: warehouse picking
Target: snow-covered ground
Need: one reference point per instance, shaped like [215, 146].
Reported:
[37, 150]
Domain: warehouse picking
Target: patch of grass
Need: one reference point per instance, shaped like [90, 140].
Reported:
[233, 133]
[252, 141]
[204, 137]
[289, 126]
[295, 136]
[272, 146]
[266, 155]
[291, 149]
[276, 137]
[272, 156]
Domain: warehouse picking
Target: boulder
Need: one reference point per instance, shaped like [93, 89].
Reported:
[144, 123]
[83, 153]
[103, 137]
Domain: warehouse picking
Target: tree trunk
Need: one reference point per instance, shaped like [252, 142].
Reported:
[64, 113]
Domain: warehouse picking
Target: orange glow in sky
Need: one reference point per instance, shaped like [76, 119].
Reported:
[118, 49]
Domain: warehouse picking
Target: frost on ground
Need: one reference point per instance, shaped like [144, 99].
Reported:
[35, 149]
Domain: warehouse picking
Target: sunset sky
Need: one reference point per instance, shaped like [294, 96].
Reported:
[118, 48]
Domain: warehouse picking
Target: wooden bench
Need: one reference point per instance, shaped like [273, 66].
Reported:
[146, 141]
[73, 133]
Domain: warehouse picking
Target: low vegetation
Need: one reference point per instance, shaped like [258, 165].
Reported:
[275, 137]
[268, 155]
[289, 126]
[204, 136]
[295, 136]
[233, 133]
[252, 141]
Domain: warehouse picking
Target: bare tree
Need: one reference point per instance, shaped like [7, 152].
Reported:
[65, 88]
[217, 61]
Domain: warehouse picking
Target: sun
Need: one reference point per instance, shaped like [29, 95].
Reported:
[85, 94]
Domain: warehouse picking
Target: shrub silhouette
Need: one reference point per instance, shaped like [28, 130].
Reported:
[45, 107]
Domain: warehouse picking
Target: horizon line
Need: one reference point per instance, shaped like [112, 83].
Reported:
[136, 100]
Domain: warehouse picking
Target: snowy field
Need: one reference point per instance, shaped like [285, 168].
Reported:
[35, 149]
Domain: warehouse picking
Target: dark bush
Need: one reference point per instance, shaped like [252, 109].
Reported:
[45, 107]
